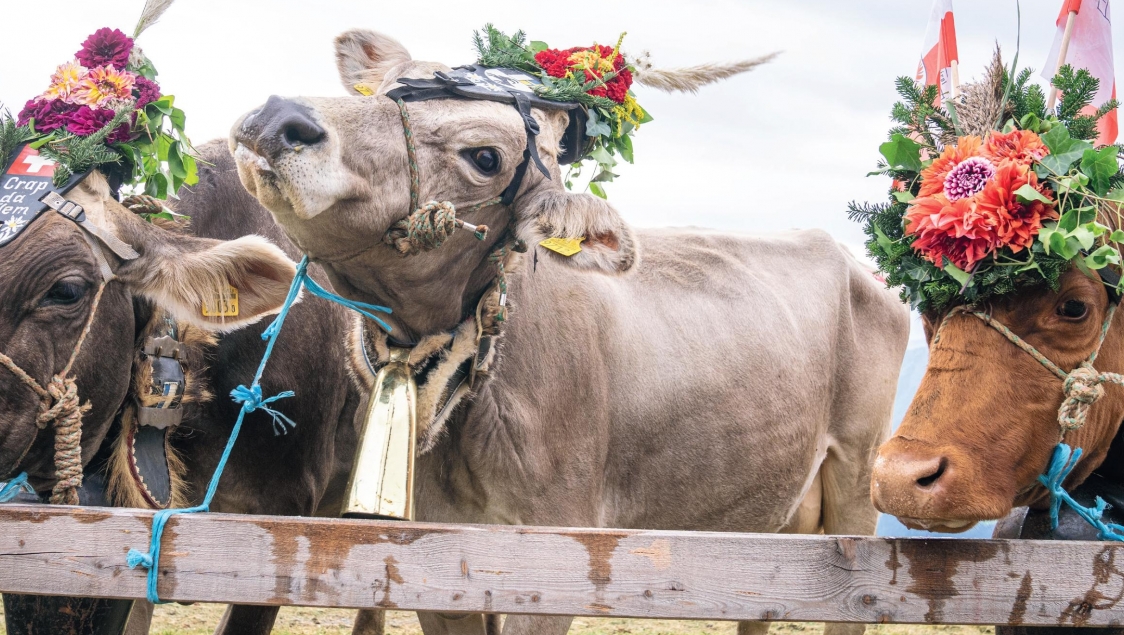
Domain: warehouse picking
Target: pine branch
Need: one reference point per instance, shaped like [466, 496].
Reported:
[11, 136]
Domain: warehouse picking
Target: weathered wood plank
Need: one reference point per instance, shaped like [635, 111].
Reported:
[647, 574]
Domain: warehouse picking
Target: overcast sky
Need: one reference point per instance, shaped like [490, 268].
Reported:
[787, 145]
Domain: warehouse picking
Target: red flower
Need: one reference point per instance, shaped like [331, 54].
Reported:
[1016, 223]
[146, 91]
[1022, 146]
[106, 47]
[949, 229]
[589, 64]
[86, 121]
[49, 115]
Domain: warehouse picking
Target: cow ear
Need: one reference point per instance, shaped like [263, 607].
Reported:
[182, 274]
[607, 242]
[364, 57]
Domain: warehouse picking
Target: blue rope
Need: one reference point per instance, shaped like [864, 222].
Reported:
[251, 400]
[1061, 464]
[12, 488]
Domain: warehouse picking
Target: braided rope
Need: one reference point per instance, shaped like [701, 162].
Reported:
[59, 405]
[143, 204]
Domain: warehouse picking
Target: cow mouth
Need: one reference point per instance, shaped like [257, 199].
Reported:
[944, 526]
[250, 159]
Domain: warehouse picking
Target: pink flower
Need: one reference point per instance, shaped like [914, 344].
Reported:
[49, 115]
[103, 86]
[968, 178]
[86, 121]
[106, 47]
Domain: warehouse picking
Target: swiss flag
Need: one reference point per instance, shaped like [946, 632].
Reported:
[1090, 47]
[29, 163]
[938, 55]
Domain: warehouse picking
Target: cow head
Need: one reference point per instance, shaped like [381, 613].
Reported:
[48, 278]
[334, 173]
[984, 422]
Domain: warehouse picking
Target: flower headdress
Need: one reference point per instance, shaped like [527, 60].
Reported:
[600, 79]
[104, 109]
[994, 193]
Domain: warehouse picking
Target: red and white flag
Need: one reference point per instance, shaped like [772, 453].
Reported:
[939, 55]
[1090, 47]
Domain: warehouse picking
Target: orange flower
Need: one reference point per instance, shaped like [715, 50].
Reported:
[1016, 223]
[63, 82]
[102, 85]
[1022, 146]
[932, 177]
[949, 229]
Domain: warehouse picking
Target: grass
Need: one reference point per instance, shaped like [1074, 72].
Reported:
[200, 619]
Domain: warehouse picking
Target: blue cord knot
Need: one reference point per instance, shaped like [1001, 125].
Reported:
[1062, 463]
[135, 558]
[251, 400]
[12, 488]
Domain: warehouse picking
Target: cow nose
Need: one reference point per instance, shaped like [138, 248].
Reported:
[910, 480]
[280, 125]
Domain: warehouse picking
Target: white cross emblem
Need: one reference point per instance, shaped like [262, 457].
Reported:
[36, 162]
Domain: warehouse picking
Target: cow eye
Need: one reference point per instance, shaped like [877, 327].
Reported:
[64, 292]
[1073, 309]
[487, 160]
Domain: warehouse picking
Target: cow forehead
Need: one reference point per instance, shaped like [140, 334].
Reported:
[50, 247]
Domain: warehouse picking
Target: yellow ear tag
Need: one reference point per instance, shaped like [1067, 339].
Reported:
[565, 246]
[222, 305]
[363, 89]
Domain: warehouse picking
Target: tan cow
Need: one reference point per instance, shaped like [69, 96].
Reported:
[673, 379]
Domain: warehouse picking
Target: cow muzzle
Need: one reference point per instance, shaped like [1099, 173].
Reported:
[930, 487]
[280, 126]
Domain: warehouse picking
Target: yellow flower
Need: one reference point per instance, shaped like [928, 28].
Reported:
[630, 111]
[63, 82]
[102, 85]
[591, 60]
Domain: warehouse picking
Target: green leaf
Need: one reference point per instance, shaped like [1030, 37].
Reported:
[192, 171]
[883, 240]
[957, 273]
[175, 161]
[537, 46]
[624, 144]
[1084, 237]
[1102, 257]
[1100, 167]
[1064, 149]
[179, 119]
[904, 197]
[597, 126]
[1068, 222]
[902, 153]
[602, 156]
[1116, 195]
[1027, 194]
[597, 190]
[604, 176]
[1116, 236]
[163, 105]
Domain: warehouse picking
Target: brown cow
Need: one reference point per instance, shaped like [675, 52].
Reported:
[984, 422]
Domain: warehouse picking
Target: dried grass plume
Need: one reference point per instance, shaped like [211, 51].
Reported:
[691, 78]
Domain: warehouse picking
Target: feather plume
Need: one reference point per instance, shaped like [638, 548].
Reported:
[153, 9]
[692, 78]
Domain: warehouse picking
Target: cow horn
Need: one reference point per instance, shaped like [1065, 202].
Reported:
[691, 78]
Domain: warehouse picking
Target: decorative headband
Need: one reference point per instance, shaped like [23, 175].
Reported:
[993, 192]
[102, 110]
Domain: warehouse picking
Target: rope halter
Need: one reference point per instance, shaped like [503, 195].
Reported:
[1082, 386]
[59, 407]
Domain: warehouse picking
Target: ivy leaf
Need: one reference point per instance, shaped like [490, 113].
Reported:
[624, 144]
[596, 126]
[179, 119]
[175, 161]
[1084, 237]
[883, 240]
[604, 176]
[1064, 149]
[602, 156]
[957, 273]
[1027, 194]
[1102, 257]
[1116, 236]
[905, 197]
[192, 170]
[537, 46]
[902, 153]
[597, 190]
[1100, 167]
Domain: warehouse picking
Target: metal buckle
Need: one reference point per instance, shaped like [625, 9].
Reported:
[67, 208]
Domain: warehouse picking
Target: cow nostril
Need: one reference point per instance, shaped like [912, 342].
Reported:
[301, 131]
[935, 475]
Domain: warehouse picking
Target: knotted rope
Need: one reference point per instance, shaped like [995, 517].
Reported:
[59, 405]
[143, 204]
[429, 225]
[1082, 387]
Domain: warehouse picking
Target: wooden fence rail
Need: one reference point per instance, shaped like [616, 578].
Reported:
[595, 572]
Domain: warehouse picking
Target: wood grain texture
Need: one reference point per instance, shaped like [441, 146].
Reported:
[594, 572]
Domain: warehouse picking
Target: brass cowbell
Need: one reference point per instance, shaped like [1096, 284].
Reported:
[382, 478]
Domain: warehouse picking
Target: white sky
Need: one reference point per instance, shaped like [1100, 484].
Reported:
[787, 145]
